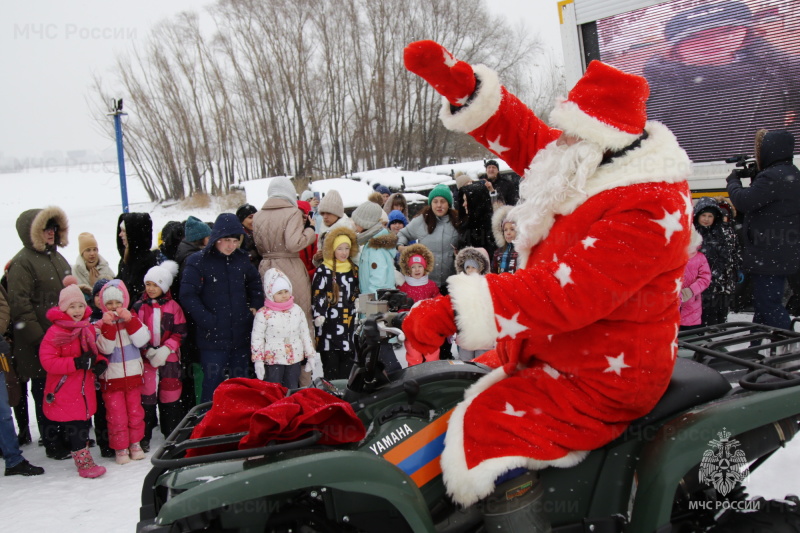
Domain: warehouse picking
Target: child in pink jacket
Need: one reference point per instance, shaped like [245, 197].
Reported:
[416, 262]
[696, 279]
[69, 354]
[122, 335]
[166, 322]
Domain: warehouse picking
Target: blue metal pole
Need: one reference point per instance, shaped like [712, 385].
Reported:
[123, 185]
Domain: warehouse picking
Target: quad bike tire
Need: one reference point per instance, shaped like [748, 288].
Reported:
[775, 516]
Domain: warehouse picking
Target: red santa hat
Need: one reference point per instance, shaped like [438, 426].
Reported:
[606, 106]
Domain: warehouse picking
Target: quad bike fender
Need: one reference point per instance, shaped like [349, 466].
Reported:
[350, 471]
[679, 445]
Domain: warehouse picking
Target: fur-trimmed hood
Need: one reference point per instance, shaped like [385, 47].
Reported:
[31, 224]
[478, 254]
[416, 249]
[500, 214]
[330, 237]
[383, 241]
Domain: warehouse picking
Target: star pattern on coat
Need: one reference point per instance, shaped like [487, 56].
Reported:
[671, 223]
[449, 59]
[496, 147]
[678, 286]
[616, 364]
[463, 100]
[588, 242]
[550, 371]
[563, 274]
[509, 327]
[688, 204]
[510, 411]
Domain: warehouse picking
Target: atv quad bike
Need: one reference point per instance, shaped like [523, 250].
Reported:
[678, 469]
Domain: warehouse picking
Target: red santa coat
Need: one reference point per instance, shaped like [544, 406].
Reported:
[586, 327]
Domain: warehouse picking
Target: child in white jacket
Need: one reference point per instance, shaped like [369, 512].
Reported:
[281, 339]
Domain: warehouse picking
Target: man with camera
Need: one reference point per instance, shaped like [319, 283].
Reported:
[771, 226]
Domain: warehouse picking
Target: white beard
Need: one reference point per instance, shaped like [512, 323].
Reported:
[553, 185]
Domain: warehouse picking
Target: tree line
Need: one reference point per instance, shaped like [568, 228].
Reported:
[306, 88]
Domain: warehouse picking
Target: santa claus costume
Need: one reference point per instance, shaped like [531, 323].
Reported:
[586, 326]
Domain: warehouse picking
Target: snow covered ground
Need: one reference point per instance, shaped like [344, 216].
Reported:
[62, 500]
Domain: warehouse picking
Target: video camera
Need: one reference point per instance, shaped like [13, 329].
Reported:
[748, 165]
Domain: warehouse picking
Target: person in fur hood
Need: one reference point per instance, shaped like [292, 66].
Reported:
[472, 262]
[376, 260]
[35, 279]
[416, 263]
[505, 231]
[590, 315]
[334, 291]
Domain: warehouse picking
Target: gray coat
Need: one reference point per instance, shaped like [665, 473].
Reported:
[441, 243]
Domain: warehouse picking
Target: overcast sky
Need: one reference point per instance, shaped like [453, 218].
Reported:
[52, 48]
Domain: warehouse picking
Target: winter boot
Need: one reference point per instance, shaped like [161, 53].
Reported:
[150, 422]
[136, 452]
[123, 457]
[24, 436]
[24, 469]
[86, 465]
[516, 505]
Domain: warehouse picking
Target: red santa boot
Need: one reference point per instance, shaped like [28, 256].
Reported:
[86, 465]
[451, 78]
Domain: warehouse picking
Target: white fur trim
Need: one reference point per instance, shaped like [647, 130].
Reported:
[466, 486]
[570, 119]
[485, 103]
[472, 303]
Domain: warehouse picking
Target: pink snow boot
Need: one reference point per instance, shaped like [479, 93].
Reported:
[123, 457]
[86, 465]
[137, 454]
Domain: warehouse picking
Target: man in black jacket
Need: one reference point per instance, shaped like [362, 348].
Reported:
[503, 190]
[771, 231]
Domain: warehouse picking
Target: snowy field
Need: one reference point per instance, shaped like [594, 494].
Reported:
[62, 500]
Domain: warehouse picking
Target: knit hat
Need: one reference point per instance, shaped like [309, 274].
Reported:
[306, 195]
[606, 106]
[98, 286]
[397, 216]
[281, 187]
[471, 263]
[162, 275]
[444, 192]
[491, 162]
[112, 293]
[417, 259]
[342, 239]
[706, 17]
[383, 189]
[196, 229]
[86, 240]
[331, 203]
[275, 281]
[367, 215]
[70, 294]
[462, 179]
[245, 211]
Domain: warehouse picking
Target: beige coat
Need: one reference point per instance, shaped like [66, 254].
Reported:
[279, 235]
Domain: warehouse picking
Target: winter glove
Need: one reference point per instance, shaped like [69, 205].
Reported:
[734, 177]
[259, 370]
[314, 365]
[429, 323]
[318, 321]
[686, 293]
[451, 78]
[109, 318]
[159, 356]
[124, 315]
[99, 368]
[83, 361]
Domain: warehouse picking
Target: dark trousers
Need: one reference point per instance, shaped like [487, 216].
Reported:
[715, 308]
[52, 433]
[217, 363]
[336, 364]
[77, 433]
[768, 301]
[286, 375]
[100, 422]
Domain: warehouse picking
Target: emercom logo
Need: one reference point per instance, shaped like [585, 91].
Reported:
[723, 466]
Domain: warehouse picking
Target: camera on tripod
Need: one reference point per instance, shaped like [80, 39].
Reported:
[747, 164]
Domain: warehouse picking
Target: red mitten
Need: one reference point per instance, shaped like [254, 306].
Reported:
[124, 315]
[109, 318]
[451, 78]
[430, 323]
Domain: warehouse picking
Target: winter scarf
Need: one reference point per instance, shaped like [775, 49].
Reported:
[70, 329]
[275, 306]
[414, 282]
